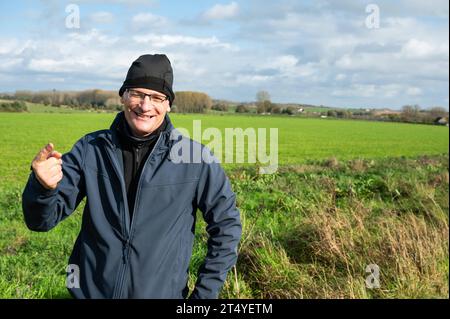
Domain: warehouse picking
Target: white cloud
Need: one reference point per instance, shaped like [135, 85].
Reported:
[93, 35]
[438, 8]
[126, 2]
[14, 47]
[413, 91]
[369, 91]
[307, 52]
[356, 90]
[415, 48]
[166, 40]
[51, 65]
[430, 7]
[303, 23]
[10, 64]
[284, 63]
[102, 17]
[222, 11]
[148, 20]
[8, 45]
[251, 79]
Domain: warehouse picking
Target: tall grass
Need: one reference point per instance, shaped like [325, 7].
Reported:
[320, 242]
[309, 231]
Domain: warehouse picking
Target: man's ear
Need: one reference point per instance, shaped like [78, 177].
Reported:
[124, 97]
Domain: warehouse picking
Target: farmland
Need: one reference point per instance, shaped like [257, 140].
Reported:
[300, 140]
[347, 194]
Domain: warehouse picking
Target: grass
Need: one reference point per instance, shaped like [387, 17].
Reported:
[347, 194]
[317, 241]
[300, 140]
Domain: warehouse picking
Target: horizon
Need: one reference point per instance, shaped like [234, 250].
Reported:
[361, 55]
[241, 102]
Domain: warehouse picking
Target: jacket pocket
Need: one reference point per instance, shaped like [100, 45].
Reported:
[170, 198]
[171, 183]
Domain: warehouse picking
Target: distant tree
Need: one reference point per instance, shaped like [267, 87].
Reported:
[46, 100]
[289, 110]
[394, 117]
[23, 95]
[89, 98]
[192, 102]
[241, 108]
[263, 103]
[275, 109]
[268, 106]
[331, 113]
[264, 107]
[54, 98]
[438, 111]
[343, 114]
[220, 107]
[262, 96]
[260, 108]
[113, 103]
[410, 113]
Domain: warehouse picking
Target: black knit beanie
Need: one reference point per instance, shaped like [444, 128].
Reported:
[150, 71]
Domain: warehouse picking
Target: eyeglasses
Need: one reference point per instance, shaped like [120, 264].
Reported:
[155, 98]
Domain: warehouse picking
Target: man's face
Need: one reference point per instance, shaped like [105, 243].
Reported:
[144, 115]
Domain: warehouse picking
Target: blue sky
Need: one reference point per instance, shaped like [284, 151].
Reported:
[316, 52]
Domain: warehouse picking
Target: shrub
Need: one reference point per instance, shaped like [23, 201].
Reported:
[16, 106]
[242, 109]
[289, 110]
[220, 107]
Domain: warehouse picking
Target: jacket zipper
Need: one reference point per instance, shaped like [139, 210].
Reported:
[123, 266]
[139, 188]
[126, 246]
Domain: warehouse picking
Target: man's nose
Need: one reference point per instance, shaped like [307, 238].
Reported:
[146, 103]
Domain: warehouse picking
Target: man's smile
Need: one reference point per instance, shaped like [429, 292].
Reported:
[142, 115]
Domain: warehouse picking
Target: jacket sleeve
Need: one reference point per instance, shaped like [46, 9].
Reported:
[218, 204]
[43, 209]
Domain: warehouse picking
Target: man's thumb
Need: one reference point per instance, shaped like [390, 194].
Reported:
[55, 154]
[45, 152]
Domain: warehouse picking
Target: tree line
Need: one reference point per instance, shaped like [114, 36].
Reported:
[198, 102]
[87, 99]
[191, 102]
[408, 114]
[185, 101]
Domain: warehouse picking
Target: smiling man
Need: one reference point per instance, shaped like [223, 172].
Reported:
[139, 220]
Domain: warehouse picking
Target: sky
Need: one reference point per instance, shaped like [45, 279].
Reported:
[347, 53]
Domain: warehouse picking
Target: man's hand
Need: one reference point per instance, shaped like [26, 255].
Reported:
[47, 166]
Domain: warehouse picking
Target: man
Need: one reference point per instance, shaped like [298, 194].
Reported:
[138, 224]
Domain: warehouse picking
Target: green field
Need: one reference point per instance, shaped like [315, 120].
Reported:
[347, 194]
[300, 140]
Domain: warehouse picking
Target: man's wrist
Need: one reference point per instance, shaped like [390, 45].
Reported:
[39, 187]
